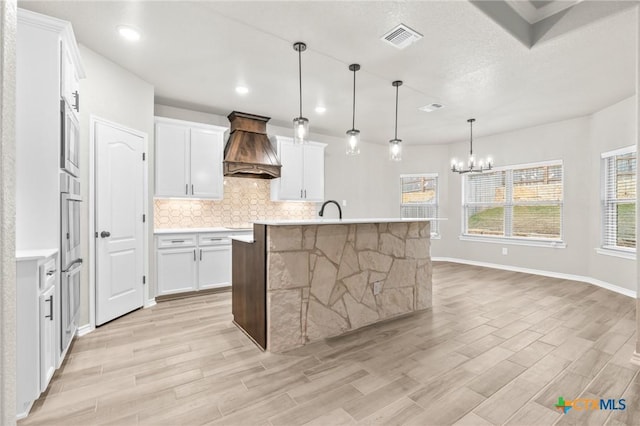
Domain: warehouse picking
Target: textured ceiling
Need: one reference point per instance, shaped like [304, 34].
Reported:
[195, 53]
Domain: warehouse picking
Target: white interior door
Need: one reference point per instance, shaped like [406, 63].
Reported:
[119, 223]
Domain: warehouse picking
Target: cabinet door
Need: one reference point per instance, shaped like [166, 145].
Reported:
[69, 81]
[206, 164]
[290, 182]
[172, 154]
[214, 269]
[313, 179]
[176, 270]
[47, 338]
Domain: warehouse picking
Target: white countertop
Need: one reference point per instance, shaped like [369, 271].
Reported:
[243, 238]
[22, 255]
[165, 231]
[342, 221]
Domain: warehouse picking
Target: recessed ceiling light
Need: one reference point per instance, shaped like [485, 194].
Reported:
[129, 33]
[242, 90]
[430, 107]
[321, 109]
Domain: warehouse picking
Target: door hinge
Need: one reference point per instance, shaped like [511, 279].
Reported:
[144, 156]
[96, 235]
[144, 218]
[144, 279]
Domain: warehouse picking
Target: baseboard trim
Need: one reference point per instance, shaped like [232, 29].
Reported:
[149, 303]
[84, 330]
[560, 275]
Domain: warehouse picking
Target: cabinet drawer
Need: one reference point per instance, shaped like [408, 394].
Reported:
[177, 240]
[48, 274]
[213, 239]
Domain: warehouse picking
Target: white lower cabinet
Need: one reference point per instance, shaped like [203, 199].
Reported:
[36, 319]
[191, 262]
[47, 338]
[214, 269]
[176, 270]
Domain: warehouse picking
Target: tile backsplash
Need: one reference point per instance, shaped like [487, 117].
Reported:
[245, 201]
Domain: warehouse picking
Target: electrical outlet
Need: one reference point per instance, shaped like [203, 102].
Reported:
[344, 203]
[505, 251]
[377, 287]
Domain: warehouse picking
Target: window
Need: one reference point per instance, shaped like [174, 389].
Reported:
[420, 198]
[619, 200]
[518, 202]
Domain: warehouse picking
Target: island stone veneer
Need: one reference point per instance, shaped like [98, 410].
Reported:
[321, 278]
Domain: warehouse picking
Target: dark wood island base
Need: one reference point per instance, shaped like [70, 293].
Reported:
[249, 289]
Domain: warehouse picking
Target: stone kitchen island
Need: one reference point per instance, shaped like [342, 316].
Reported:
[296, 282]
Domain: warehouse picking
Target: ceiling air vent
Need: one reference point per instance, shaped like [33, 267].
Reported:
[431, 107]
[401, 36]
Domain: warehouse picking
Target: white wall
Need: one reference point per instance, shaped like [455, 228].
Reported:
[115, 94]
[8, 16]
[613, 127]
[579, 143]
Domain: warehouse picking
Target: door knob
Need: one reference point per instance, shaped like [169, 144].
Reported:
[105, 234]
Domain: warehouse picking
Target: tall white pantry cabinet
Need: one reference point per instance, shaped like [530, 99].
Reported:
[48, 68]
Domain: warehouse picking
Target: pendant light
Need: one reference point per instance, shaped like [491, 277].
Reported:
[300, 124]
[471, 164]
[353, 135]
[395, 144]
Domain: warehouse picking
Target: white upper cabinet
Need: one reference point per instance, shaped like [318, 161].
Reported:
[206, 149]
[302, 173]
[69, 81]
[172, 158]
[188, 159]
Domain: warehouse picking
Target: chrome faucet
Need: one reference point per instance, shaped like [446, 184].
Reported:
[329, 202]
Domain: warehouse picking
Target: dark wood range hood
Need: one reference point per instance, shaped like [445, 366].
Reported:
[248, 152]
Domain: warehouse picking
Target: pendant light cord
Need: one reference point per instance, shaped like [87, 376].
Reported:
[471, 139]
[353, 115]
[396, 126]
[300, 77]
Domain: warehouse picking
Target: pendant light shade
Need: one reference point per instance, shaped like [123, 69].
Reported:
[472, 167]
[395, 144]
[353, 135]
[300, 124]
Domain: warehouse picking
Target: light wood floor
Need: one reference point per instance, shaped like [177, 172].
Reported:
[498, 347]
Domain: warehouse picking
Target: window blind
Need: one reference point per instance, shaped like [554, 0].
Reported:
[419, 198]
[619, 200]
[517, 202]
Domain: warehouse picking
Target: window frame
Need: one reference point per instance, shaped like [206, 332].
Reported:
[436, 223]
[606, 249]
[508, 205]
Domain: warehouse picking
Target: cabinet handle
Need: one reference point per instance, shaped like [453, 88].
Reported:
[186, 188]
[50, 301]
[301, 193]
[177, 241]
[194, 255]
[305, 193]
[76, 97]
[200, 254]
[51, 272]
[191, 189]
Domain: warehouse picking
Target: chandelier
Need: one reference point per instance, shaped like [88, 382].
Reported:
[472, 167]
